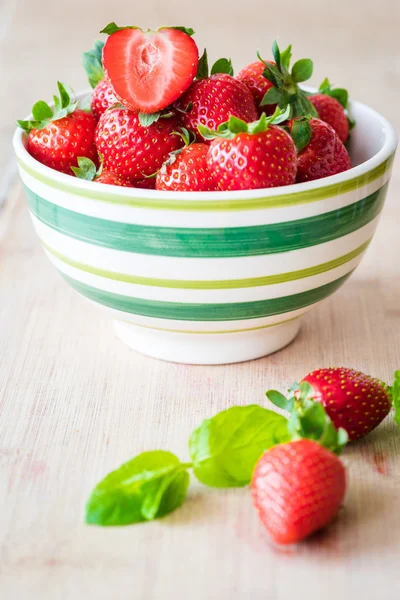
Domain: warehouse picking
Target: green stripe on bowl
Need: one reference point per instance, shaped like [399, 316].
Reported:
[209, 242]
[214, 331]
[281, 200]
[201, 284]
[206, 312]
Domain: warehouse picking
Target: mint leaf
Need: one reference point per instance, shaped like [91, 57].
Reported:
[202, 68]
[223, 65]
[147, 119]
[302, 69]
[225, 448]
[396, 397]
[147, 487]
[93, 63]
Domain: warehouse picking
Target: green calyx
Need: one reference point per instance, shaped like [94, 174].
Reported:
[309, 419]
[301, 132]
[395, 395]
[222, 65]
[113, 27]
[86, 169]
[286, 91]
[188, 138]
[93, 63]
[231, 128]
[43, 114]
[340, 94]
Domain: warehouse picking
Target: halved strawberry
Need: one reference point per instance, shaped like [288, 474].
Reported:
[149, 69]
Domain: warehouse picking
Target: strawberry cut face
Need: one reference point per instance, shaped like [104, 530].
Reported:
[150, 70]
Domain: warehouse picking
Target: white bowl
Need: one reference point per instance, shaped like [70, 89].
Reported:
[212, 277]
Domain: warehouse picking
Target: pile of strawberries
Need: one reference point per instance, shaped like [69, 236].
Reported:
[158, 119]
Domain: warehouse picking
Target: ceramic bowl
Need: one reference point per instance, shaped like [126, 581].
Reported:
[212, 277]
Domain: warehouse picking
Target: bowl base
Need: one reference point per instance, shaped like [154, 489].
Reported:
[207, 349]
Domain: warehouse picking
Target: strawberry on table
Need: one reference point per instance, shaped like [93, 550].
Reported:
[320, 151]
[210, 101]
[58, 136]
[245, 156]
[331, 106]
[186, 169]
[354, 401]
[133, 150]
[297, 489]
[87, 170]
[149, 70]
[253, 76]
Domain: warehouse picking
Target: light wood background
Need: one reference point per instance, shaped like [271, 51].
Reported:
[75, 403]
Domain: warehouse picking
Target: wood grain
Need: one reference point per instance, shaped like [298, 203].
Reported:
[75, 403]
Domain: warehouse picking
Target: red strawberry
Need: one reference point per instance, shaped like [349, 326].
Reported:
[187, 171]
[297, 489]
[331, 105]
[56, 138]
[149, 70]
[332, 112]
[103, 97]
[87, 171]
[320, 151]
[133, 150]
[149, 183]
[253, 77]
[354, 401]
[211, 101]
[248, 156]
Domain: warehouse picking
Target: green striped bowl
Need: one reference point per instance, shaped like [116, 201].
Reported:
[212, 277]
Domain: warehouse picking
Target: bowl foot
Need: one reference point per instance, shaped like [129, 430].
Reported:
[207, 349]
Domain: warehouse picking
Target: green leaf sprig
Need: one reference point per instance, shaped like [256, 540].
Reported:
[286, 91]
[224, 451]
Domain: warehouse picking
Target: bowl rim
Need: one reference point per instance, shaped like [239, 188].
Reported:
[385, 153]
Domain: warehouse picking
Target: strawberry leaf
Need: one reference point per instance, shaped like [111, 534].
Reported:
[276, 54]
[301, 133]
[187, 30]
[395, 391]
[223, 65]
[272, 96]
[41, 111]
[86, 169]
[43, 114]
[309, 419]
[147, 119]
[202, 68]
[113, 27]
[302, 70]
[92, 63]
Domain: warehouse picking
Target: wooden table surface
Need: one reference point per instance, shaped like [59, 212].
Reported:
[75, 403]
